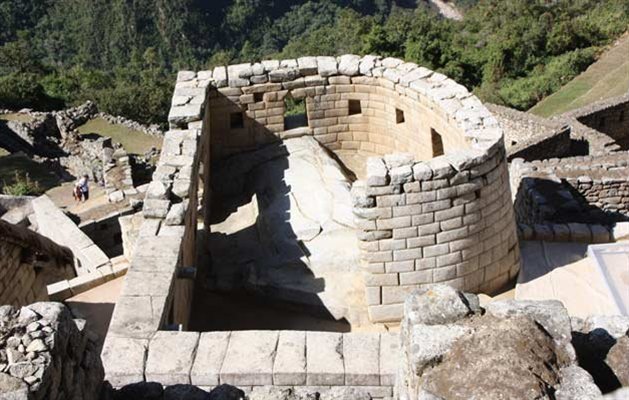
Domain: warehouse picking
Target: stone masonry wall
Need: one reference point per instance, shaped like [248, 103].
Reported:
[402, 107]
[599, 182]
[25, 257]
[382, 106]
[46, 354]
[609, 116]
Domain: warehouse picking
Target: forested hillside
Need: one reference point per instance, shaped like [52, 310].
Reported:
[123, 54]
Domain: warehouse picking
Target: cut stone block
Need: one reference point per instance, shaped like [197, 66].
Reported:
[135, 317]
[170, 357]
[249, 358]
[209, 359]
[389, 358]
[290, 359]
[123, 360]
[324, 359]
[361, 354]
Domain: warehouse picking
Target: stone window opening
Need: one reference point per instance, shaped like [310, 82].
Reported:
[258, 97]
[437, 143]
[354, 107]
[295, 113]
[399, 116]
[236, 121]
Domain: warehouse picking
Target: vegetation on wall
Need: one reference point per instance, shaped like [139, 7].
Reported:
[123, 54]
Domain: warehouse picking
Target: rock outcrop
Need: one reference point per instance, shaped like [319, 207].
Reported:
[453, 349]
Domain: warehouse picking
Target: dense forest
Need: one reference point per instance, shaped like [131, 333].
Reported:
[123, 53]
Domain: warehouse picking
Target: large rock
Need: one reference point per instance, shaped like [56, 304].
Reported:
[618, 360]
[512, 358]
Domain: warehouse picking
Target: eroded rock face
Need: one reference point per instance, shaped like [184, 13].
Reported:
[514, 351]
[453, 349]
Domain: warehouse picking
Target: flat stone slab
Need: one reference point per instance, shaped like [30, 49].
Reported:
[210, 355]
[123, 360]
[389, 358]
[249, 358]
[170, 357]
[361, 354]
[290, 359]
[57, 226]
[324, 361]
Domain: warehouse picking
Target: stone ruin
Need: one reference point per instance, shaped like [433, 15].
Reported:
[419, 195]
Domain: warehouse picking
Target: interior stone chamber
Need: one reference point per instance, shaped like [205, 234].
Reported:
[433, 204]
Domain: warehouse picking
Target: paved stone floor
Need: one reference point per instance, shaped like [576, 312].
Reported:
[96, 306]
[561, 271]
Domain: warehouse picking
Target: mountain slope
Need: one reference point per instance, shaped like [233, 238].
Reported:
[608, 77]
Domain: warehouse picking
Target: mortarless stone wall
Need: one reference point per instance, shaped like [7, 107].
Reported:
[449, 220]
[28, 262]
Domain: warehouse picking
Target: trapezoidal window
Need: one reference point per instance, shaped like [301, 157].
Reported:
[295, 115]
[399, 116]
[437, 143]
[354, 107]
[236, 121]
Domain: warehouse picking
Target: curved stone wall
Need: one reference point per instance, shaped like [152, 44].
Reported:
[435, 205]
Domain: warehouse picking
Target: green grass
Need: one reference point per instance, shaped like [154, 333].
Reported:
[13, 163]
[16, 117]
[134, 142]
[607, 77]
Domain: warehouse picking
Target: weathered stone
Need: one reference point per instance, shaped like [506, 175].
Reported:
[289, 367]
[348, 64]
[170, 356]
[376, 172]
[327, 66]
[325, 365]
[577, 384]
[361, 353]
[209, 358]
[249, 358]
[440, 304]
[618, 360]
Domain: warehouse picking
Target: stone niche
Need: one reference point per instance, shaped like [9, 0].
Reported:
[433, 202]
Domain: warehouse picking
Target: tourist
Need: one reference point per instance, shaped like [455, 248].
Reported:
[84, 188]
[76, 192]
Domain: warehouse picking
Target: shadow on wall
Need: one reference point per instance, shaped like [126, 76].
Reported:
[257, 278]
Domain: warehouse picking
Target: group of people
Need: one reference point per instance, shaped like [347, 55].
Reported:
[81, 190]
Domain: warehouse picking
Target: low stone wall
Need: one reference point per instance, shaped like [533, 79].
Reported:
[572, 232]
[530, 137]
[591, 189]
[610, 116]
[28, 262]
[250, 359]
[47, 355]
[106, 232]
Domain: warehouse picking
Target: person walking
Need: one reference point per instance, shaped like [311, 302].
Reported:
[84, 188]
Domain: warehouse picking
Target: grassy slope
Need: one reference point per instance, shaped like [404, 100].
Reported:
[16, 117]
[608, 77]
[10, 164]
[134, 142]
